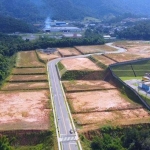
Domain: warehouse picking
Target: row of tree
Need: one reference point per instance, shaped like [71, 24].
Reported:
[11, 25]
[9, 45]
[131, 138]
[140, 31]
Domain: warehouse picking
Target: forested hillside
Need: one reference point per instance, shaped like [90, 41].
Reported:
[10, 25]
[25, 10]
[38, 10]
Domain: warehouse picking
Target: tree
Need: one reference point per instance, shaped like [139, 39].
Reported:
[4, 143]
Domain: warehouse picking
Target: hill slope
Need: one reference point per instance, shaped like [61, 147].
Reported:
[37, 10]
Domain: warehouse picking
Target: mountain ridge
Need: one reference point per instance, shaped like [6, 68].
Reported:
[37, 10]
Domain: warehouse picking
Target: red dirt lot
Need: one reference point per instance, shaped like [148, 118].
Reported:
[141, 48]
[82, 85]
[98, 101]
[24, 110]
[25, 86]
[68, 51]
[91, 121]
[79, 64]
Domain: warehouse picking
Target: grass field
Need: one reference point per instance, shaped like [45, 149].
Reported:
[132, 69]
[130, 78]
[46, 57]
[104, 59]
[23, 71]
[68, 51]
[28, 59]
[94, 49]
[22, 78]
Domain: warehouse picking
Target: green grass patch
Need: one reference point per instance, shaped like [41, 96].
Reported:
[28, 59]
[60, 66]
[82, 75]
[130, 78]
[123, 73]
[28, 71]
[97, 62]
[147, 99]
[30, 140]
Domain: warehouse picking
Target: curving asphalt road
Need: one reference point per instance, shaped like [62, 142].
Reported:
[62, 115]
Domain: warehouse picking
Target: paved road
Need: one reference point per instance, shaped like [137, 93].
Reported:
[67, 140]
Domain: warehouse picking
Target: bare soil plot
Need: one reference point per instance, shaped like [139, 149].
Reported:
[79, 64]
[22, 78]
[131, 44]
[25, 86]
[47, 57]
[29, 71]
[94, 49]
[94, 120]
[124, 56]
[99, 101]
[82, 85]
[68, 51]
[141, 48]
[24, 110]
[28, 59]
[143, 51]
[104, 59]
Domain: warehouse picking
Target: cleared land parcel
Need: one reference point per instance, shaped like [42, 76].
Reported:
[95, 109]
[79, 64]
[25, 86]
[82, 85]
[24, 110]
[123, 57]
[28, 59]
[94, 49]
[68, 52]
[24, 71]
[48, 57]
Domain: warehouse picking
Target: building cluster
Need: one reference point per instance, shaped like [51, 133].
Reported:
[58, 26]
[145, 83]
